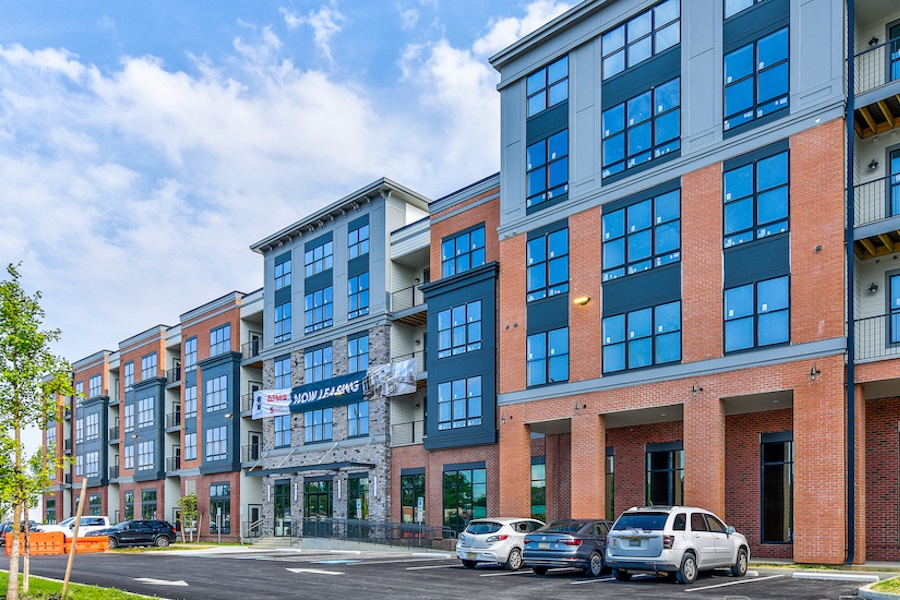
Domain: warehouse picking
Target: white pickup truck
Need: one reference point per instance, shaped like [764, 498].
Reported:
[88, 523]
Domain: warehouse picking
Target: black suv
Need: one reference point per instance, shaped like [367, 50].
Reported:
[7, 527]
[138, 533]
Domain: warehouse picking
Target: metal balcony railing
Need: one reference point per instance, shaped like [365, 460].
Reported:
[876, 200]
[405, 434]
[173, 375]
[877, 66]
[113, 433]
[251, 452]
[878, 337]
[419, 355]
[251, 349]
[67, 479]
[173, 419]
[67, 446]
[246, 402]
[173, 463]
[114, 472]
[407, 298]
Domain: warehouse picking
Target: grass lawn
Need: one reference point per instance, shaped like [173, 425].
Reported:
[888, 586]
[46, 589]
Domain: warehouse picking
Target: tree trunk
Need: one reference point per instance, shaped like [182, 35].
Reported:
[12, 587]
[26, 560]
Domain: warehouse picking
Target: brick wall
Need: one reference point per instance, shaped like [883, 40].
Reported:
[487, 213]
[883, 479]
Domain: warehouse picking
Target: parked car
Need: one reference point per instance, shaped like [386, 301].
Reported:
[87, 524]
[6, 527]
[579, 543]
[498, 540]
[678, 541]
[138, 533]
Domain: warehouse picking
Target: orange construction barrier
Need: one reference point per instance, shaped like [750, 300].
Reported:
[83, 545]
[51, 542]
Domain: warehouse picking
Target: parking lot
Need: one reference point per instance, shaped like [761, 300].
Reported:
[241, 574]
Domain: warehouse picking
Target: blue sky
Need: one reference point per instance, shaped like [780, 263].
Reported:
[145, 145]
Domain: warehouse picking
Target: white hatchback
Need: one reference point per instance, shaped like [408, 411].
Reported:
[497, 540]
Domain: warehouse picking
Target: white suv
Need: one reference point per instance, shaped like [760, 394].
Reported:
[498, 540]
[678, 541]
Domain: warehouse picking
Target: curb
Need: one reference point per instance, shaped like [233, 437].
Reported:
[866, 592]
[836, 577]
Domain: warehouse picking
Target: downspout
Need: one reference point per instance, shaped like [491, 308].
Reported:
[851, 328]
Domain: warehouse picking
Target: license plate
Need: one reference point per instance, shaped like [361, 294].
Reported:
[544, 546]
[634, 543]
[471, 555]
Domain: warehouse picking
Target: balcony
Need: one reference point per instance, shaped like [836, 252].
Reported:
[408, 306]
[173, 375]
[246, 402]
[67, 446]
[421, 368]
[67, 479]
[877, 73]
[114, 472]
[251, 453]
[173, 463]
[173, 419]
[113, 435]
[251, 349]
[878, 337]
[877, 217]
[405, 434]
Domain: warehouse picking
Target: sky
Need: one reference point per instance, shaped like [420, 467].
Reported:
[144, 146]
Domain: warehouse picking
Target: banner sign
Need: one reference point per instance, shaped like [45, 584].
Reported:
[344, 389]
[271, 403]
[395, 379]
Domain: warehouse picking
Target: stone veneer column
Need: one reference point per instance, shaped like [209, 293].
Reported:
[588, 453]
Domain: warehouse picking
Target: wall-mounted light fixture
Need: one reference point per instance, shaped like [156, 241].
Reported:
[579, 406]
[873, 165]
[696, 389]
[582, 300]
[814, 372]
[504, 417]
[228, 415]
[873, 287]
[874, 41]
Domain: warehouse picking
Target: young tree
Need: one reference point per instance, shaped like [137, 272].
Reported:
[31, 380]
[188, 506]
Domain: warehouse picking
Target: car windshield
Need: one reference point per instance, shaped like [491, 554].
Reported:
[563, 527]
[483, 527]
[70, 522]
[121, 525]
[643, 521]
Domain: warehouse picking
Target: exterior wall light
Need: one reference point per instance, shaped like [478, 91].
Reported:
[582, 300]
[873, 165]
[814, 372]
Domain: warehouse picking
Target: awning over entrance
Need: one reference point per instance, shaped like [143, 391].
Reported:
[336, 466]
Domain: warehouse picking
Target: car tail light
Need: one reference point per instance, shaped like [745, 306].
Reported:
[571, 542]
[528, 540]
[497, 538]
[668, 542]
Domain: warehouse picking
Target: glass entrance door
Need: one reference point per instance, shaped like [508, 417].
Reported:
[317, 508]
[283, 508]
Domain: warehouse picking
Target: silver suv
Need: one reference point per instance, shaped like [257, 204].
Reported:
[677, 541]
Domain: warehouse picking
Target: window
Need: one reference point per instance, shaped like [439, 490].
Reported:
[148, 367]
[145, 455]
[190, 446]
[459, 403]
[462, 252]
[282, 431]
[548, 87]
[358, 353]
[665, 477]
[96, 386]
[317, 364]
[95, 505]
[733, 7]
[129, 418]
[190, 355]
[283, 322]
[50, 511]
[283, 273]
[777, 489]
[220, 340]
[216, 443]
[412, 498]
[894, 166]
[319, 309]
[92, 427]
[641, 236]
[79, 465]
[358, 295]
[220, 507]
[92, 464]
[79, 392]
[548, 357]
[217, 393]
[358, 418]
[79, 431]
[129, 375]
[146, 412]
[358, 241]
[548, 265]
[317, 424]
[51, 435]
[129, 457]
[190, 402]
[358, 498]
[757, 314]
[539, 491]
[128, 501]
[642, 128]
[319, 259]
[459, 329]
[610, 485]
[641, 338]
[283, 372]
[148, 504]
[894, 36]
[756, 200]
[893, 308]
[547, 168]
[465, 497]
[757, 79]
[641, 37]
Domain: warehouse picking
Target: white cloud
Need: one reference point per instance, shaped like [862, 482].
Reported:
[503, 32]
[326, 22]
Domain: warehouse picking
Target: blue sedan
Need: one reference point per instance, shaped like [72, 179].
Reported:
[578, 543]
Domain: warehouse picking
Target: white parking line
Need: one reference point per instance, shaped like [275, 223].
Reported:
[316, 571]
[429, 567]
[504, 573]
[738, 582]
[596, 580]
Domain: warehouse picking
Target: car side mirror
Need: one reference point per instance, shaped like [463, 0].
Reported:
[729, 530]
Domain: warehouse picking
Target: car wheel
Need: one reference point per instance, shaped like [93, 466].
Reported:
[688, 571]
[113, 543]
[621, 575]
[539, 570]
[514, 561]
[739, 568]
[162, 541]
[594, 568]
[469, 564]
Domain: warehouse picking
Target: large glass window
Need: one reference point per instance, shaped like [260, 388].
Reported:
[95, 386]
[129, 457]
[641, 236]
[548, 264]
[462, 252]
[146, 412]
[777, 491]
[756, 200]
[319, 309]
[282, 431]
[148, 366]
[459, 329]
[548, 87]
[642, 128]
[128, 502]
[539, 491]
[220, 507]
[92, 427]
[145, 455]
[358, 241]
[283, 372]
[216, 443]
[190, 354]
[358, 295]
[641, 338]
[641, 37]
[459, 403]
[665, 478]
[317, 364]
[283, 322]
[358, 353]
[548, 357]
[148, 504]
[129, 418]
[547, 169]
[412, 498]
[129, 375]
[465, 497]
[358, 498]
[319, 259]
[190, 402]
[757, 79]
[79, 431]
[217, 393]
[358, 419]
[92, 464]
[757, 314]
[317, 425]
[220, 340]
[190, 446]
[50, 511]
[283, 274]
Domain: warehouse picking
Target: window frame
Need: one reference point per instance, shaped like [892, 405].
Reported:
[631, 338]
[282, 370]
[753, 199]
[282, 322]
[358, 245]
[470, 330]
[627, 236]
[220, 340]
[546, 357]
[628, 42]
[190, 354]
[754, 315]
[751, 114]
[544, 263]
[190, 402]
[215, 396]
[358, 419]
[149, 366]
[356, 358]
[553, 154]
[448, 404]
[475, 251]
[318, 309]
[318, 425]
[358, 295]
[546, 87]
[775, 439]
[216, 443]
[282, 431]
[318, 364]
[319, 258]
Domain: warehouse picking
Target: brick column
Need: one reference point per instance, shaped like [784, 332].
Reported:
[588, 464]
[515, 463]
[704, 452]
